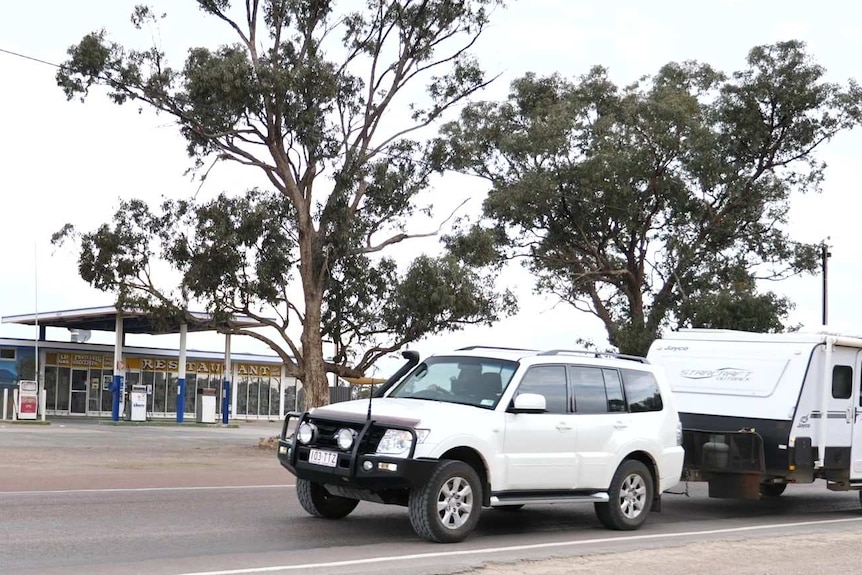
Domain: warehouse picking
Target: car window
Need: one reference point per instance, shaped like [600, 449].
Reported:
[642, 391]
[478, 381]
[550, 382]
[588, 386]
[614, 390]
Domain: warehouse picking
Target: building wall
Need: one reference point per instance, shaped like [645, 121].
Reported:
[78, 382]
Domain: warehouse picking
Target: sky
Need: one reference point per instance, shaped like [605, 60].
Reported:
[66, 161]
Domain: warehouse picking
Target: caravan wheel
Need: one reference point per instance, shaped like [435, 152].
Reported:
[772, 489]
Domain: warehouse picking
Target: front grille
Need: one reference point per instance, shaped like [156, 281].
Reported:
[326, 430]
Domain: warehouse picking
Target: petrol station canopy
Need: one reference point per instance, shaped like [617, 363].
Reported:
[137, 322]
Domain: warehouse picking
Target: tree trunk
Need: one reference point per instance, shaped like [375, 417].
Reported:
[315, 381]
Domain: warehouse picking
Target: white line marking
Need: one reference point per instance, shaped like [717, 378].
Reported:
[142, 489]
[492, 550]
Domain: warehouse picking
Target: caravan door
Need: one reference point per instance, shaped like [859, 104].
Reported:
[854, 414]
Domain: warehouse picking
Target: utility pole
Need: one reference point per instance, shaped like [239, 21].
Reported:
[825, 254]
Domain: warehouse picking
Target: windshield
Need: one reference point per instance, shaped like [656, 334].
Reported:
[478, 381]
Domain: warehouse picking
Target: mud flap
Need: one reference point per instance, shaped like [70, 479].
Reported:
[735, 486]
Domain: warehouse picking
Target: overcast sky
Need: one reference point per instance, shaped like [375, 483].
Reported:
[70, 162]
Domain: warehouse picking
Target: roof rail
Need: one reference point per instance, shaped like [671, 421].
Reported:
[594, 353]
[470, 347]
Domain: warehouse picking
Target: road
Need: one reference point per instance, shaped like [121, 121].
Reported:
[85, 498]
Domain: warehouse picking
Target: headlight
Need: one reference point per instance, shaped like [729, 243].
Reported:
[399, 441]
[306, 432]
[344, 438]
[679, 433]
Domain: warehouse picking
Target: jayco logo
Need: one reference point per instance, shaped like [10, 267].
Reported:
[720, 374]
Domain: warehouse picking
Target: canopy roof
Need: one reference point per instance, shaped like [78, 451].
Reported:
[105, 318]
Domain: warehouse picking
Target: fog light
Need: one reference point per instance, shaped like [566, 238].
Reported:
[344, 438]
[367, 465]
[388, 466]
[306, 433]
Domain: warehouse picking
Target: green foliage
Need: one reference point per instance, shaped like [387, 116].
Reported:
[302, 96]
[659, 203]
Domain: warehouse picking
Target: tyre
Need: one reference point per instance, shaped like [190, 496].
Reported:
[631, 493]
[317, 501]
[772, 489]
[447, 508]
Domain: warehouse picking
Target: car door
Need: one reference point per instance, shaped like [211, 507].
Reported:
[539, 448]
[602, 421]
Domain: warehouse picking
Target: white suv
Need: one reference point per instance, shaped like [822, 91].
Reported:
[491, 427]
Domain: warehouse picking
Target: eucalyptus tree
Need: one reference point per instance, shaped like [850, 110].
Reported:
[660, 203]
[332, 103]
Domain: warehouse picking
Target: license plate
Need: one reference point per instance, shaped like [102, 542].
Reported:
[324, 458]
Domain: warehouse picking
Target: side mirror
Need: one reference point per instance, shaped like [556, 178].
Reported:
[529, 403]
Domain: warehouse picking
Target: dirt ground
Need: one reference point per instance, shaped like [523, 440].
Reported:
[828, 553]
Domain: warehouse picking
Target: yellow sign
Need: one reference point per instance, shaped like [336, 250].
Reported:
[66, 359]
[98, 361]
[245, 369]
[171, 365]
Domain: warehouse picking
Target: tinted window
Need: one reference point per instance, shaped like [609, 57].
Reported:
[549, 381]
[588, 385]
[641, 391]
[842, 381]
[614, 390]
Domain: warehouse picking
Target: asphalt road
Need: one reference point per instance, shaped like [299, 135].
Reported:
[94, 499]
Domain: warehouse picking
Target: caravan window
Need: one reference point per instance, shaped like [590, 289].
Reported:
[842, 381]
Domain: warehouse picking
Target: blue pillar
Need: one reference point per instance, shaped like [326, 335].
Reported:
[119, 367]
[116, 389]
[225, 402]
[226, 398]
[181, 387]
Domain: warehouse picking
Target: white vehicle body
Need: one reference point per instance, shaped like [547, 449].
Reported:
[799, 393]
[556, 426]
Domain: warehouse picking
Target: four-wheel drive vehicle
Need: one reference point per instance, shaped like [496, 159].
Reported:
[499, 428]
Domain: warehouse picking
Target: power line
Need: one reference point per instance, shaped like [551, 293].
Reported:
[31, 58]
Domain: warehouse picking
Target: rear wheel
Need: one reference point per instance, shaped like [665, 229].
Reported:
[631, 493]
[446, 509]
[317, 501]
[772, 489]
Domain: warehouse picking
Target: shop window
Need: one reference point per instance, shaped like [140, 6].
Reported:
[7, 353]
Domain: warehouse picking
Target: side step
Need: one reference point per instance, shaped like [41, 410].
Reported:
[537, 498]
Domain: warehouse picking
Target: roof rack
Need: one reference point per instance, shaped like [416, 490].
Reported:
[594, 353]
[470, 347]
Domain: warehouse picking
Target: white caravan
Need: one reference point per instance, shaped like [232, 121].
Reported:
[760, 411]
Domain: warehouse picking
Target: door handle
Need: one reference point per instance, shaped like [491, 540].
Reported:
[620, 425]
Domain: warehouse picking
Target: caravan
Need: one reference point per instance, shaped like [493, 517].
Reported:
[760, 411]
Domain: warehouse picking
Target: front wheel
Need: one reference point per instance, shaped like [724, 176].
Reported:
[631, 493]
[319, 502]
[447, 507]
